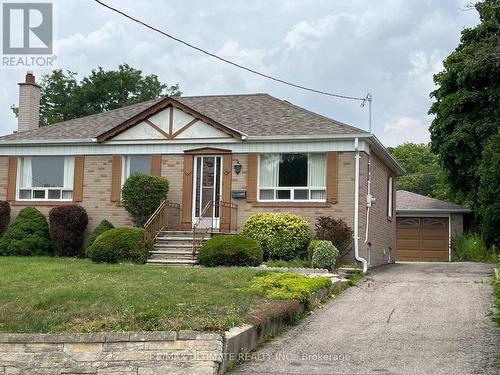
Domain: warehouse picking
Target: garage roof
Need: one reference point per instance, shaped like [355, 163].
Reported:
[407, 201]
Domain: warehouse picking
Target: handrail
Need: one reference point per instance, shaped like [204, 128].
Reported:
[228, 226]
[166, 216]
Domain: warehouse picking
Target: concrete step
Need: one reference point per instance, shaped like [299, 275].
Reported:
[157, 256]
[176, 233]
[172, 262]
[173, 245]
[171, 241]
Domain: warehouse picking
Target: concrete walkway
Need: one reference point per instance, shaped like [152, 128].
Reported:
[407, 318]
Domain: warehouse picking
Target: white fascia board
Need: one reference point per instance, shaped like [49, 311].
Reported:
[386, 155]
[293, 138]
[47, 142]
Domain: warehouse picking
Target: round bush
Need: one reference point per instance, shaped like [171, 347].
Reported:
[283, 236]
[325, 255]
[103, 226]
[230, 251]
[141, 196]
[335, 230]
[120, 245]
[311, 248]
[27, 235]
[67, 226]
[4, 215]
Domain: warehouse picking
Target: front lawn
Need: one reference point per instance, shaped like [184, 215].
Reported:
[42, 294]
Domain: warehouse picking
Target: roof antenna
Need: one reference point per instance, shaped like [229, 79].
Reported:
[368, 99]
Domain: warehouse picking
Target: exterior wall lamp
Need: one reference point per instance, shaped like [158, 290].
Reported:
[237, 167]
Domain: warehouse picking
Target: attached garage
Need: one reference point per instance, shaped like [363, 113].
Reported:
[425, 227]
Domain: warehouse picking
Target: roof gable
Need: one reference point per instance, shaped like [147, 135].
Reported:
[169, 123]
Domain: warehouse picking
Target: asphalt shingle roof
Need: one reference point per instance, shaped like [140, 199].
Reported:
[253, 115]
[406, 200]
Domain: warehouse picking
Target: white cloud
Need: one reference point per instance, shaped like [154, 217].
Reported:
[403, 129]
[304, 32]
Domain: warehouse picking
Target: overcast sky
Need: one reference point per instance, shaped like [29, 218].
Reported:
[390, 48]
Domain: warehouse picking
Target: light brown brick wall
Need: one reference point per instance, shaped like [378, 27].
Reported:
[97, 192]
[382, 230]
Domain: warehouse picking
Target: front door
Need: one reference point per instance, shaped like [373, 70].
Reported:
[207, 187]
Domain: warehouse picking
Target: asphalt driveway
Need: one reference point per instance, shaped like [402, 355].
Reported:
[407, 318]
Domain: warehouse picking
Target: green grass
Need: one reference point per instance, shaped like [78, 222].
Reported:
[294, 263]
[43, 294]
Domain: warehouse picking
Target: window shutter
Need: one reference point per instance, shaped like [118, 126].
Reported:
[116, 178]
[187, 193]
[78, 179]
[11, 178]
[252, 177]
[225, 212]
[156, 165]
[332, 177]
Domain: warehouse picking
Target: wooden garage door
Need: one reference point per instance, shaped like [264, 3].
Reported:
[422, 239]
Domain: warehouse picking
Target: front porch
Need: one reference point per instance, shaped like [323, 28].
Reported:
[177, 247]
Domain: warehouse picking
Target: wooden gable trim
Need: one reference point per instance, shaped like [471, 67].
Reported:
[185, 127]
[207, 151]
[161, 105]
[157, 128]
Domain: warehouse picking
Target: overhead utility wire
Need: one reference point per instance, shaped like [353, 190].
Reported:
[229, 61]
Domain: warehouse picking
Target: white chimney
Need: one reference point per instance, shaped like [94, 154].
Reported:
[29, 104]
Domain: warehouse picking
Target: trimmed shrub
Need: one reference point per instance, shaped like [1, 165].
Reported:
[283, 236]
[67, 226]
[335, 230]
[230, 251]
[27, 235]
[311, 248]
[142, 194]
[4, 215]
[325, 255]
[120, 245]
[103, 226]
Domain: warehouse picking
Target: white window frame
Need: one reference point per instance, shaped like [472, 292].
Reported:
[291, 188]
[45, 189]
[126, 165]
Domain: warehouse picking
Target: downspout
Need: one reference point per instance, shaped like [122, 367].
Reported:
[368, 201]
[356, 207]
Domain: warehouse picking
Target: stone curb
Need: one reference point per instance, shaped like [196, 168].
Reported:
[106, 337]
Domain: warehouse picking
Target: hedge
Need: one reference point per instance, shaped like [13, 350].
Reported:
[283, 236]
[335, 230]
[142, 194]
[67, 226]
[120, 245]
[27, 235]
[4, 216]
[231, 250]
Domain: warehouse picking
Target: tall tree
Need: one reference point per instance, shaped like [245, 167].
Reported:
[423, 175]
[489, 192]
[64, 98]
[467, 101]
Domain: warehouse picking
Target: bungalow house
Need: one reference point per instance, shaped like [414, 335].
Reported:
[226, 157]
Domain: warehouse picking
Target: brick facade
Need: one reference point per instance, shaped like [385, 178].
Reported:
[97, 198]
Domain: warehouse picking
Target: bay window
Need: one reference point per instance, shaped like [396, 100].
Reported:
[297, 177]
[135, 163]
[45, 178]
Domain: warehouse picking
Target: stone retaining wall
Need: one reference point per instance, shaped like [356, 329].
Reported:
[149, 353]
